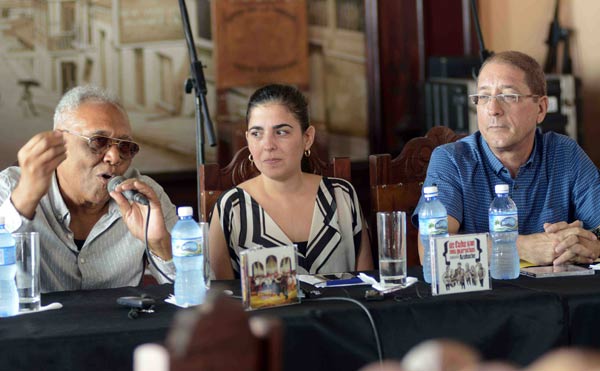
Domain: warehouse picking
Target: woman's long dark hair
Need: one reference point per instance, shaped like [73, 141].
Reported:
[288, 96]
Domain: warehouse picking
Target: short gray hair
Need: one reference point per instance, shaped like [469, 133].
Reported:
[80, 95]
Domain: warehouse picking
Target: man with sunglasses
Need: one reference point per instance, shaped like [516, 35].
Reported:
[554, 184]
[89, 238]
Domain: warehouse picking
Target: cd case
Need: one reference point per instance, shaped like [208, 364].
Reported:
[556, 271]
[268, 277]
[459, 264]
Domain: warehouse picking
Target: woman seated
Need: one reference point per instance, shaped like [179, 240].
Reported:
[283, 205]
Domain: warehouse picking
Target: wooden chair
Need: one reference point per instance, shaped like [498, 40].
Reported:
[396, 183]
[214, 180]
[220, 336]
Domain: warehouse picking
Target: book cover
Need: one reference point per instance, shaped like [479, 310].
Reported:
[268, 277]
[459, 264]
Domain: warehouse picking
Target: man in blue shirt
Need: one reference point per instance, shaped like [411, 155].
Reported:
[554, 184]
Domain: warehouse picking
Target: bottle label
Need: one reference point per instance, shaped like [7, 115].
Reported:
[504, 223]
[187, 247]
[7, 255]
[433, 226]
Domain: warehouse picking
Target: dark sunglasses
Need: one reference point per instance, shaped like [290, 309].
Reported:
[99, 144]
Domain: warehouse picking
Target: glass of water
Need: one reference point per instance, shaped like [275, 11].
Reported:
[27, 249]
[391, 236]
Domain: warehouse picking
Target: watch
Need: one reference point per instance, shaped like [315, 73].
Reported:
[596, 231]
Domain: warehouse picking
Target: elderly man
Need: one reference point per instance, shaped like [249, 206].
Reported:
[89, 238]
[554, 184]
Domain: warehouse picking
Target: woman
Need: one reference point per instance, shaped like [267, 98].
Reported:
[283, 205]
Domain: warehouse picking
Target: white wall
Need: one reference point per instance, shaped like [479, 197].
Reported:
[523, 25]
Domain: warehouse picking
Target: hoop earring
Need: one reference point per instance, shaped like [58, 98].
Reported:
[307, 153]
[250, 158]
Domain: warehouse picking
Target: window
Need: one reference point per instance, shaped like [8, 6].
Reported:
[204, 25]
[341, 14]
[166, 81]
[140, 94]
[68, 75]
[67, 16]
[350, 15]
[87, 70]
[102, 57]
[317, 12]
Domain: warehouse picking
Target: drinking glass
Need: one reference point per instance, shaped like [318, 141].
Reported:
[27, 249]
[391, 235]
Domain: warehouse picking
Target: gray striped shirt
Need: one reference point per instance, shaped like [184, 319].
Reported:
[110, 256]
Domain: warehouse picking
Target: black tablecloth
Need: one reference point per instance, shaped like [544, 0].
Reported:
[90, 332]
[508, 322]
[580, 297]
[518, 320]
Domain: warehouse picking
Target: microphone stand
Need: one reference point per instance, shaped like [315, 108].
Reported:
[197, 83]
[556, 34]
[553, 40]
[483, 52]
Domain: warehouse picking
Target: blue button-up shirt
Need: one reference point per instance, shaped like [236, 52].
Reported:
[558, 182]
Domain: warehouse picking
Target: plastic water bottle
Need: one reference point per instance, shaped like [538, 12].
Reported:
[433, 222]
[9, 298]
[504, 230]
[187, 243]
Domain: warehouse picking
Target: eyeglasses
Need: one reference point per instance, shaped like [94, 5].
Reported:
[99, 144]
[483, 99]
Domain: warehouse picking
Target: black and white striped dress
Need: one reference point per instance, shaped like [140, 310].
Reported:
[335, 233]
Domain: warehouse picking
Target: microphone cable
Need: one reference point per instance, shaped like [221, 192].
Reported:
[366, 310]
[360, 305]
[150, 258]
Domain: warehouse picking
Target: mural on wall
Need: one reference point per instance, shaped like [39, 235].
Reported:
[258, 42]
[149, 21]
[136, 49]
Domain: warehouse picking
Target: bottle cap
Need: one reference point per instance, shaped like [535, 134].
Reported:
[150, 357]
[501, 188]
[433, 190]
[185, 211]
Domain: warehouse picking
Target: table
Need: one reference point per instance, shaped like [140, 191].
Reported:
[90, 332]
[508, 322]
[518, 320]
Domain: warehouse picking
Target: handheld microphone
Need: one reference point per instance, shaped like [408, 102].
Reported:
[131, 195]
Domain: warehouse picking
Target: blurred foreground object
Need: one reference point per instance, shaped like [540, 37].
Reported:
[220, 335]
[440, 355]
[384, 366]
[567, 359]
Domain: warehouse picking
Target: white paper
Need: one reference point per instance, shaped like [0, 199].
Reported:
[310, 279]
[43, 308]
[171, 300]
[385, 289]
[595, 266]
